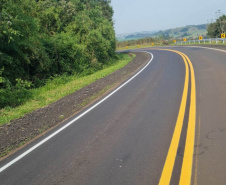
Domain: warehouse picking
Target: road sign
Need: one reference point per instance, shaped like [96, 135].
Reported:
[174, 41]
[127, 47]
[223, 35]
[152, 44]
[138, 46]
[184, 39]
[200, 37]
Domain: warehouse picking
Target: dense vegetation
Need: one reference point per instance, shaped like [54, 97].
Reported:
[41, 39]
[216, 28]
[160, 40]
[134, 42]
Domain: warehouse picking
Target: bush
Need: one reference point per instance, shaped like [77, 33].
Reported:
[16, 95]
[41, 39]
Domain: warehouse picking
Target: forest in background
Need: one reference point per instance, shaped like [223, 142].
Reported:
[41, 39]
[217, 27]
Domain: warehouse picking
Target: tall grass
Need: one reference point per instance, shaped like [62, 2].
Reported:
[57, 88]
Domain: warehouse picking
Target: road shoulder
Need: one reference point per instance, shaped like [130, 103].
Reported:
[24, 130]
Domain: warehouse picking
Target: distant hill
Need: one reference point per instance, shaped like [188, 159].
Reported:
[190, 31]
[134, 36]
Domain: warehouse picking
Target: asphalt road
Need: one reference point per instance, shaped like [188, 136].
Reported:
[126, 138]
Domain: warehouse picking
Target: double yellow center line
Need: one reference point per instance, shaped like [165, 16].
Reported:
[186, 170]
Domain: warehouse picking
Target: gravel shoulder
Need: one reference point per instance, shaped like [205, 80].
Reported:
[21, 131]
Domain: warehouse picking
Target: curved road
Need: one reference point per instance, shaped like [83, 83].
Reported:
[126, 139]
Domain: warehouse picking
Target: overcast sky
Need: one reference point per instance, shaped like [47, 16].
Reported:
[150, 15]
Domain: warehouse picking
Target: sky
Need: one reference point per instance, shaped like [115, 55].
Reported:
[153, 15]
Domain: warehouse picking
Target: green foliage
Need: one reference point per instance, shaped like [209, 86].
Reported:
[216, 28]
[15, 95]
[55, 88]
[148, 40]
[40, 39]
[2, 79]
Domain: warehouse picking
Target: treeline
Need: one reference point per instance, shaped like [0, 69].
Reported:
[160, 40]
[215, 29]
[43, 38]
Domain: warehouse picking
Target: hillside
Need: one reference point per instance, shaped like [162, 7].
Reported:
[135, 36]
[189, 31]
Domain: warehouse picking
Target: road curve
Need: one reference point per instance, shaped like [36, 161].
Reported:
[126, 138]
[209, 163]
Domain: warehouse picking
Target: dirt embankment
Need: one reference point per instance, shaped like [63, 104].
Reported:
[21, 131]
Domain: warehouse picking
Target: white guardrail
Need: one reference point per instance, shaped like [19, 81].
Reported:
[216, 40]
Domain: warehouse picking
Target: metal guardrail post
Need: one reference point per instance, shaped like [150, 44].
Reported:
[210, 40]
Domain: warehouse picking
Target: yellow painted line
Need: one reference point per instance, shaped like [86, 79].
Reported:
[186, 171]
[171, 156]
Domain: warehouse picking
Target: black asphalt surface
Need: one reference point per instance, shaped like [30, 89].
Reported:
[209, 165]
[125, 140]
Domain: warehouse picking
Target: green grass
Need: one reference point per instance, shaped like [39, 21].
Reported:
[146, 45]
[58, 88]
[136, 47]
[170, 44]
[9, 149]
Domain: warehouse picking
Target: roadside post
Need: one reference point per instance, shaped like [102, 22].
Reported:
[223, 36]
[200, 38]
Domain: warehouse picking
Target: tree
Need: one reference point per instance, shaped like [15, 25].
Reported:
[216, 28]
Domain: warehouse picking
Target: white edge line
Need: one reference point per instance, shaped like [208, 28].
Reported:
[72, 121]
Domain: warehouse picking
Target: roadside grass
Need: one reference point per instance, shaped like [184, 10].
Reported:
[59, 87]
[9, 149]
[170, 44]
[148, 45]
[12, 147]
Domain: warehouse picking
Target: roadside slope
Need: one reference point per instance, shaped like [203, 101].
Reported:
[20, 131]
